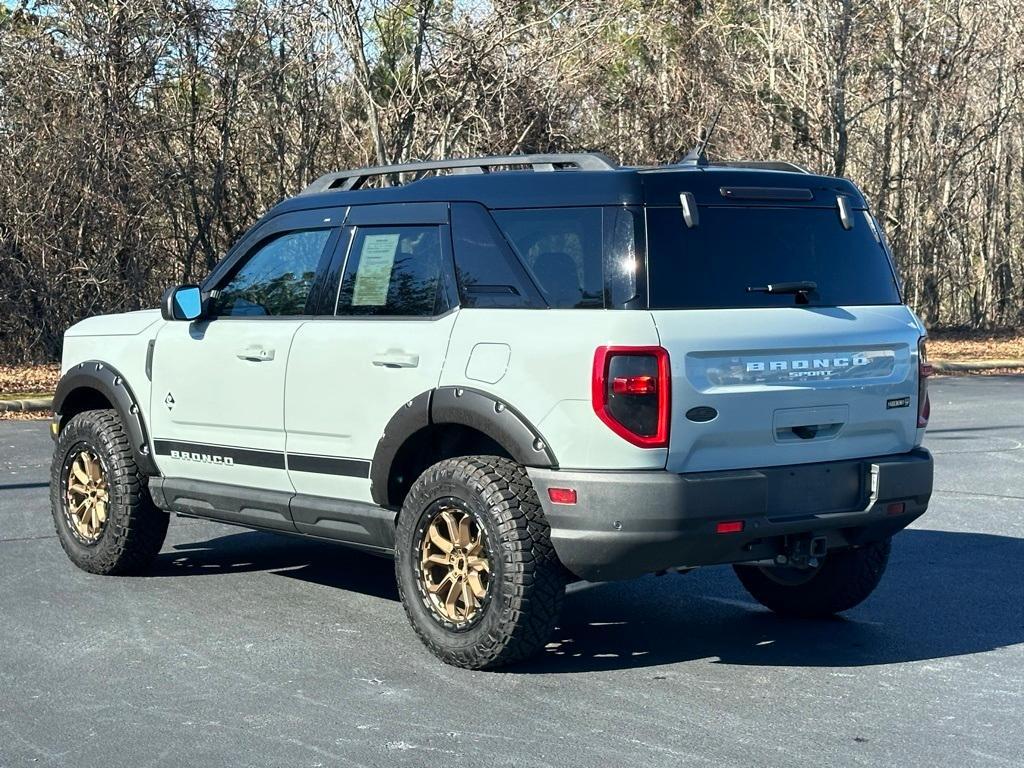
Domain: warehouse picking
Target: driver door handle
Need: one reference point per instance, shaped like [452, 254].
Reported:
[256, 353]
[396, 358]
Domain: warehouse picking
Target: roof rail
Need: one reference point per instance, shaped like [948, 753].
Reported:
[764, 165]
[354, 179]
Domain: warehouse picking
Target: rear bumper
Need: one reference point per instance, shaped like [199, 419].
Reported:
[625, 524]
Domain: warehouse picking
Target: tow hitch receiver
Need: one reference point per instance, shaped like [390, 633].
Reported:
[804, 551]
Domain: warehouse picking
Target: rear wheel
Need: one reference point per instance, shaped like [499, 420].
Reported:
[104, 517]
[478, 577]
[844, 579]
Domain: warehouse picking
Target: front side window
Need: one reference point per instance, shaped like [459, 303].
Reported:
[276, 279]
[561, 248]
[393, 271]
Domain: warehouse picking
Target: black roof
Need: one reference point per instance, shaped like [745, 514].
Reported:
[614, 185]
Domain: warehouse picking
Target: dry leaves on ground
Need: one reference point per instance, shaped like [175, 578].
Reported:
[28, 379]
[975, 345]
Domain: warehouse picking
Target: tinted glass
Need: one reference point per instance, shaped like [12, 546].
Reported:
[276, 279]
[623, 258]
[392, 271]
[733, 248]
[489, 274]
[561, 249]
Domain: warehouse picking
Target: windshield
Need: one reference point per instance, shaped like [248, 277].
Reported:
[733, 248]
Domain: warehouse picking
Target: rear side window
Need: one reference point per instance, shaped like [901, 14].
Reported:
[561, 249]
[733, 248]
[393, 271]
[489, 275]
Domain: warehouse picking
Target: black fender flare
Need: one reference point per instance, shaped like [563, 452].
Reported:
[107, 380]
[469, 407]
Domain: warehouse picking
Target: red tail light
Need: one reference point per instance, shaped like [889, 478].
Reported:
[631, 391]
[924, 370]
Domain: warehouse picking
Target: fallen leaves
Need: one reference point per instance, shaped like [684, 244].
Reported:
[976, 345]
[39, 380]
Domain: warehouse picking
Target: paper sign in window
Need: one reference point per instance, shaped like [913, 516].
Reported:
[376, 262]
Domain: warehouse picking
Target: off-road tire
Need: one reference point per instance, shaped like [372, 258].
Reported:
[135, 528]
[844, 579]
[527, 581]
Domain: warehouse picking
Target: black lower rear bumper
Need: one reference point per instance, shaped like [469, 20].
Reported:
[625, 524]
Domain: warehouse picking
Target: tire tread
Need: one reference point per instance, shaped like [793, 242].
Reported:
[534, 579]
[138, 529]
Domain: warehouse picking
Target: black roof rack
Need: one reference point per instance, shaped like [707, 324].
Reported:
[354, 179]
[764, 165]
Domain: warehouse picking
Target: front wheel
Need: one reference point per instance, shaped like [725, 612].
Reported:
[104, 517]
[477, 574]
[844, 579]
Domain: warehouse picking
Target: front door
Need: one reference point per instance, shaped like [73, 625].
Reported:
[218, 383]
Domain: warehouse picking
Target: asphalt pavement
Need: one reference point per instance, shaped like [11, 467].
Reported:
[248, 649]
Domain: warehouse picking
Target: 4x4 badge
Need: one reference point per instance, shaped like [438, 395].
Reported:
[897, 402]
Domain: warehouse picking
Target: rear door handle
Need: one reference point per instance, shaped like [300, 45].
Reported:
[256, 353]
[396, 358]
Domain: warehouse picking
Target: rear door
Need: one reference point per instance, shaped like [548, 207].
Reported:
[380, 342]
[768, 379]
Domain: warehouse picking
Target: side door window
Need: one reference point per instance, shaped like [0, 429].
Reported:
[394, 271]
[276, 279]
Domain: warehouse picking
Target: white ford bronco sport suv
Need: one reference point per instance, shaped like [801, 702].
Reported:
[511, 372]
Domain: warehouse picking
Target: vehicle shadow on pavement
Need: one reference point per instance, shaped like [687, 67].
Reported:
[313, 561]
[944, 594]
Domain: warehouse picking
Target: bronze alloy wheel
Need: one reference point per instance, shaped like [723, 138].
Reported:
[87, 496]
[455, 569]
[477, 573]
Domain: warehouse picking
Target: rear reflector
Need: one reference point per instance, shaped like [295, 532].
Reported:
[731, 526]
[896, 508]
[562, 495]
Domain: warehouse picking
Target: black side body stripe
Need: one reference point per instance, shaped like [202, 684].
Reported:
[216, 454]
[328, 465]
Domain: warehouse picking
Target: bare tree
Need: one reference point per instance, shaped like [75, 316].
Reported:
[139, 139]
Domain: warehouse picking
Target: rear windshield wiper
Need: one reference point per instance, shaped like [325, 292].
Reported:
[800, 288]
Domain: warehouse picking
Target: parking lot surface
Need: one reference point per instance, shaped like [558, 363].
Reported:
[248, 649]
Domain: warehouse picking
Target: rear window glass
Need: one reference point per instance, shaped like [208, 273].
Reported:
[561, 249]
[732, 248]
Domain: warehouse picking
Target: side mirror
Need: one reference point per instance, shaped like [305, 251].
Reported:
[182, 302]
